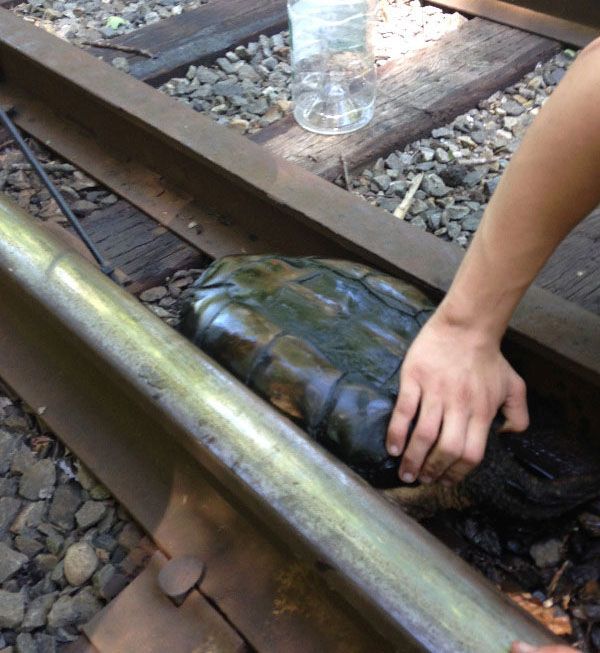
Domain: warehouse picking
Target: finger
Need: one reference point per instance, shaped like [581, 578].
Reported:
[449, 447]
[423, 437]
[522, 647]
[404, 411]
[515, 406]
[473, 451]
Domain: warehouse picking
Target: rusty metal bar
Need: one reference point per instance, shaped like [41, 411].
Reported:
[395, 575]
[575, 23]
[188, 156]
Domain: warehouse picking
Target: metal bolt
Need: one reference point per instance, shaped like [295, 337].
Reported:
[179, 577]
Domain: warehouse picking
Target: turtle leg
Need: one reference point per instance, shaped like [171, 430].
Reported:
[424, 501]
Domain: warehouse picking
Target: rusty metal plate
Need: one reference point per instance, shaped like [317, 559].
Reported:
[143, 620]
[576, 22]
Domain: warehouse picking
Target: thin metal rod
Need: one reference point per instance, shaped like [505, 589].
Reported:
[10, 126]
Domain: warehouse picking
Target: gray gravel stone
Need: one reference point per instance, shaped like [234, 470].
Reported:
[83, 207]
[207, 76]
[9, 508]
[10, 562]
[547, 553]
[25, 644]
[37, 610]
[153, 294]
[45, 562]
[418, 206]
[419, 222]
[45, 643]
[73, 610]
[454, 230]
[22, 460]
[382, 181]
[108, 582]
[554, 76]
[66, 501]
[490, 185]
[8, 486]
[454, 213]
[120, 63]
[434, 186]
[28, 545]
[90, 513]
[12, 609]
[8, 447]
[37, 481]
[443, 132]
[31, 516]
[80, 563]
[399, 187]
[130, 536]
[471, 223]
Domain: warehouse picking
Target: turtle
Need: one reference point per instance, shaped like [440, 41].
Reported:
[323, 341]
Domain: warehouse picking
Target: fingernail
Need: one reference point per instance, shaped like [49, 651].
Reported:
[393, 450]
[407, 477]
[522, 647]
[425, 479]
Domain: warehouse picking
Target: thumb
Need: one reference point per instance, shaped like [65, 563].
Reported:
[515, 406]
[522, 647]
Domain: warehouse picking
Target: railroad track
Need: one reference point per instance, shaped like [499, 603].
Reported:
[331, 567]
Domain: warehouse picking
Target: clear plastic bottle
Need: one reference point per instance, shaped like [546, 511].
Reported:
[334, 79]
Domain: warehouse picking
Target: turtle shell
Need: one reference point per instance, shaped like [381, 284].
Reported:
[322, 340]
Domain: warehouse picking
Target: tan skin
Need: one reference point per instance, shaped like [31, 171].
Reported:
[454, 376]
[520, 647]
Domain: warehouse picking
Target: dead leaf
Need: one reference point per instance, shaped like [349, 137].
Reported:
[553, 618]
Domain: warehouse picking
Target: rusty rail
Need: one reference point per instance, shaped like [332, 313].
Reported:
[576, 22]
[395, 576]
[187, 168]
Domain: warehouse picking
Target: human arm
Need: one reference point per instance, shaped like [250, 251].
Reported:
[454, 374]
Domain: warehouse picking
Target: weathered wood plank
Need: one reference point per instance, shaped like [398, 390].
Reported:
[197, 36]
[5, 138]
[418, 94]
[139, 248]
[573, 272]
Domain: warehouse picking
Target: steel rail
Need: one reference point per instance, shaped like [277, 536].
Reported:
[416, 592]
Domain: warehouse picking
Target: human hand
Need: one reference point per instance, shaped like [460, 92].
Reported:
[521, 647]
[457, 379]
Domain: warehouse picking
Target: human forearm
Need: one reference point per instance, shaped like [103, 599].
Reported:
[454, 377]
[551, 184]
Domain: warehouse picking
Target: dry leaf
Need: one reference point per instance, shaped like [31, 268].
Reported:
[553, 618]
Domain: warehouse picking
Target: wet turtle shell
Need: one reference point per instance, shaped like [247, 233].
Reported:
[323, 341]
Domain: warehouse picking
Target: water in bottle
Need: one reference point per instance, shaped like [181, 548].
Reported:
[334, 79]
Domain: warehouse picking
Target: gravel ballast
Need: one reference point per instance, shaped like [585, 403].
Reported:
[20, 183]
[458, 167]
[96, 20]
[249, 88]
[66, 547]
